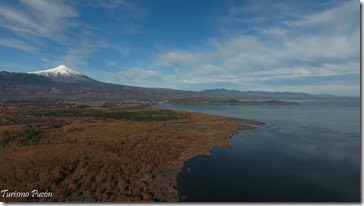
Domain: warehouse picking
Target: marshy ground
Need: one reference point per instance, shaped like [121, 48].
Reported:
[112, 153]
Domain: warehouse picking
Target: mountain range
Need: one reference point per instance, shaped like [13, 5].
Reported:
[64, 84]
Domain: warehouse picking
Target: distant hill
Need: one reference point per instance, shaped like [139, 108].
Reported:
[12, 79]
[199, 100]
[256, 95]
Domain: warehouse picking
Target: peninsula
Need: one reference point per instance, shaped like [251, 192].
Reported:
[118, 152]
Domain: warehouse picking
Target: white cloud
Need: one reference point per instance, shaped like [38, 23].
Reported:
[275, 32]
[247, 58]
[337, 18]
[39, 18]
[244, 52]
[76, 56]
[281, 52]
[17, 44]
[327, 46]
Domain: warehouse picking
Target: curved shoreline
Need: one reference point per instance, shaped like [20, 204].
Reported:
[181, 196]
[239, 125]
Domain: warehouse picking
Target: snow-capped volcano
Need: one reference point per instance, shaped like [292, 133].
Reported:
[63, 74]
[61, 70]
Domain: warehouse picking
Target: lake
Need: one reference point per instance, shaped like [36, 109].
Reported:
[309, 152]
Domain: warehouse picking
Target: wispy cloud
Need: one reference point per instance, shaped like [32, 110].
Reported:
[17, 44]
[76, 56]
[335, 18]
[56, 31]
[301, 49]
[39, 18]
[248, 47]
[138, 76]
[174, 58]
[111, 63]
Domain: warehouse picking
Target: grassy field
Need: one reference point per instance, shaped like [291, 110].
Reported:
[134, 115]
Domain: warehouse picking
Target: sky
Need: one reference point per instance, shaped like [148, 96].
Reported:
[310, 46]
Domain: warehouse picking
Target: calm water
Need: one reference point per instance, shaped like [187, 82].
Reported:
[307, 152]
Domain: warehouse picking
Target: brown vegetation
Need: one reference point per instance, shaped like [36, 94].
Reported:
[117, 153]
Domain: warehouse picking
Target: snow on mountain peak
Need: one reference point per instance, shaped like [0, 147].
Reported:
[61, 70]
[62, 73]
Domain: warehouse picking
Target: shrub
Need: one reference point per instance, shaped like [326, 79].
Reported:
[25, 137]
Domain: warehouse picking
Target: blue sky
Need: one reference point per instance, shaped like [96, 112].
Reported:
[267, 45]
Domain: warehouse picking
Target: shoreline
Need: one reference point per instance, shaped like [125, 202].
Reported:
[244, 124]
[182, 196]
